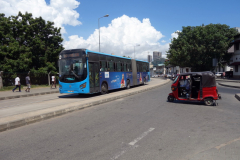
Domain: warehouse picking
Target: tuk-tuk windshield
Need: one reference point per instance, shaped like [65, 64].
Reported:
[175, 80]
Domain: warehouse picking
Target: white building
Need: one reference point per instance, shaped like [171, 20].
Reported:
[235, 59]
[177, 69]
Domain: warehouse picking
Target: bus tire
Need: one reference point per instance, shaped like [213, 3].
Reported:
[104, 88]
[208, 101]
[128, 84]
[144, 82]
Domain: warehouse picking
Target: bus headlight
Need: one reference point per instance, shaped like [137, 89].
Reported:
[60, 86]
[83, 85]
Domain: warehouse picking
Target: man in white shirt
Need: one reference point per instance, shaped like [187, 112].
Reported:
[53, 82]
[17, 84]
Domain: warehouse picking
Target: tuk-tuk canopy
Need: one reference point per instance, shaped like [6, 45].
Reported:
[208, 78]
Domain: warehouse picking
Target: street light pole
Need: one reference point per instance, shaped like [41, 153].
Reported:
[99, 28]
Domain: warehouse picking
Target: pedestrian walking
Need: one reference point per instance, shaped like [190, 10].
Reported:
[17, 84]
[28, 83]
[53, 81]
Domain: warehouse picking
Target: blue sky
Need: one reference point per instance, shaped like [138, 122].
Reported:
[165, 16]
[149, 23]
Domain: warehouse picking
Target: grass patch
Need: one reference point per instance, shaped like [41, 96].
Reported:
[9, 88]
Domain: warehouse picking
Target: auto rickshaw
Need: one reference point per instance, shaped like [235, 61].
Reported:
[195, 86]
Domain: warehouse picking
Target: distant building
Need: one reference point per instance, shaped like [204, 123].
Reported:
[238, 29]
[235, 59]
[157, 55]
[149, 58]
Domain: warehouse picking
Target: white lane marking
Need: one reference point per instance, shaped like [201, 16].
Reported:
[228, 143]
[132, 144]
[123, 151]
[140, 137]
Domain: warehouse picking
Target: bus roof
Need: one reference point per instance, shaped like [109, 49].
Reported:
[86, 50]
[113, 55]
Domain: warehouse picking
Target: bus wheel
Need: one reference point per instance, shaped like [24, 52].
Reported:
[208, 101]
[128, 84]
[144, 82]
[104, 88]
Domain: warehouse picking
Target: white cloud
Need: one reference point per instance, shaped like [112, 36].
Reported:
[121, 36]
[175, 34]
[163, 41]
[61, 12]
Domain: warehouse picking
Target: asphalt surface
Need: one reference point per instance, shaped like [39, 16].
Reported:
[22, 111]
[142, 126]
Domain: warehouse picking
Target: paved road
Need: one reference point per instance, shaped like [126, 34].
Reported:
[142, 126]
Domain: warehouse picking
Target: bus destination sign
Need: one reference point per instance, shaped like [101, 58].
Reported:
[72, 55]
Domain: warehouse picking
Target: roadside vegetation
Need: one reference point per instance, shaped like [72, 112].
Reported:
[28, 44]
[196, 47]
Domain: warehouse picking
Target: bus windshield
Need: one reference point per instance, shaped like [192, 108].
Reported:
[72, 69]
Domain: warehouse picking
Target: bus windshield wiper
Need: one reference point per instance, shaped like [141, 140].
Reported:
[75, 74]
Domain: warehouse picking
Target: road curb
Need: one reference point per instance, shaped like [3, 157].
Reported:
[237, 95]
[228, 85]
[28, 95]
[37, 118]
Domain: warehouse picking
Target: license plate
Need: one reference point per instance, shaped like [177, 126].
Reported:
[70, 91]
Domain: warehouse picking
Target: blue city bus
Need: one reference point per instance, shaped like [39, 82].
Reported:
[86, 72]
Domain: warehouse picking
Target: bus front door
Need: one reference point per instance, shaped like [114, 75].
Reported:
[94, 77]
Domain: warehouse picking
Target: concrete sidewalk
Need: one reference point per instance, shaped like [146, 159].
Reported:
[33, 92]
[230, 83]
[12, 117]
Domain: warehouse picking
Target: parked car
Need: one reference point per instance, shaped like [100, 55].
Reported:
[218, 74]
[169, 75]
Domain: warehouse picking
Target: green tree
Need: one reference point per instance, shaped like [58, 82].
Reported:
[28, 43]
[195, 47]
[126, 56]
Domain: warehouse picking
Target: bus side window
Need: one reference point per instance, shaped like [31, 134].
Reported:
[118, 67]
[111, 66]
[140, 67]
[125, 67]
[104, 67]
[122, 67]
[144, 67]
[128, 67]
[108, 66]
[114, 65]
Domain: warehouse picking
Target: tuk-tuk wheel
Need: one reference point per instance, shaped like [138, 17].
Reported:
[170, 98]
[208, 101]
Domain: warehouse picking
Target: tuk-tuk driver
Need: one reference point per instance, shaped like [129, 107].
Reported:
[184, 83]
